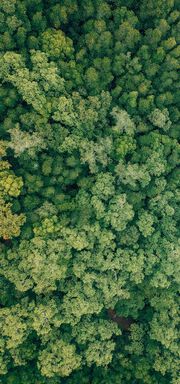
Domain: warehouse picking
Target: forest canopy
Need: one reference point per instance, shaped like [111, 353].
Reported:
[89, 191]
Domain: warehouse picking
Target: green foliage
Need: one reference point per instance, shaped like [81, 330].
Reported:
[56, 45]
[89, 191]
[10, 186]
[40, 267]
[23, 141]
[59, 358]
[160, 119]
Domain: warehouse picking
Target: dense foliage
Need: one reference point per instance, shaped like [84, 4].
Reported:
[89, 191]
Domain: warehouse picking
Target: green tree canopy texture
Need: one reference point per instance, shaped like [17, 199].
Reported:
[89, 191]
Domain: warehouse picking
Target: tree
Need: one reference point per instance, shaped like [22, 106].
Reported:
[24, 141]
[58, 358]
[89, 191]
[10, 186]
